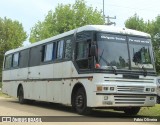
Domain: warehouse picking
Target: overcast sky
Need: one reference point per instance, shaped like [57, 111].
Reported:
[28, 12]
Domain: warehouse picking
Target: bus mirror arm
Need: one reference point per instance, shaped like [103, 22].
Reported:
[93, 52]
[154, 56]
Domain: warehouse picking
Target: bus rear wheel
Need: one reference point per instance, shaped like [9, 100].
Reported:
[131, 111]
[21, 96]
[80, 102]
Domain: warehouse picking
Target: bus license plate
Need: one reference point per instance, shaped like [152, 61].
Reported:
[107, 103]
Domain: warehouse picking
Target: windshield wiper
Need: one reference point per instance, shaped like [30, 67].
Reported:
[143, 68]
[101, 57]
[114, 70]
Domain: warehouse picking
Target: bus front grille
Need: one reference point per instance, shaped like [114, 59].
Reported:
[129, 99]
[130, 89]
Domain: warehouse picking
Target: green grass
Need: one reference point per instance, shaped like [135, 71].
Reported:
[1, 94]
[150, 111]
[4, 95]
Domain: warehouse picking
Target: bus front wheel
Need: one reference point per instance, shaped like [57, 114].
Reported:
[80, 101]
[131, 111]
[21, 96]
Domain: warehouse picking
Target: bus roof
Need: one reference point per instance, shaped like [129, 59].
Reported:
[100, 28]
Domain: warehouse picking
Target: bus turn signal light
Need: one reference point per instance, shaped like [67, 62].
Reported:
[99, 88]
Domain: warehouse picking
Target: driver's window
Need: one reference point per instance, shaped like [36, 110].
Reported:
[82, 50]
[82, 54]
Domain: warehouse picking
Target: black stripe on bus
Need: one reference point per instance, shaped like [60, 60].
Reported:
[127, 81]
[129, 94]
[49, 79]
[127, 78]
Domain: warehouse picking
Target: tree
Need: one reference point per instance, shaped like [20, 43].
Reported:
[12, 36]
[136, 23]
[65, 18]
[155, 33]
[151, 27]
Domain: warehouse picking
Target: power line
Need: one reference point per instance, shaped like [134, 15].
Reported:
[143, 9]
[103, 11]
[146, 9]
[131, 8]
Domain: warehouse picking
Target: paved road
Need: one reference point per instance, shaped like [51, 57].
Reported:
[11, 107]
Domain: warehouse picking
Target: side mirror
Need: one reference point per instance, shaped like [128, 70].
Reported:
[154, 56]
[93, 50]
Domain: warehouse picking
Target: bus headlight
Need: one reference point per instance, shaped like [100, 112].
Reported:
[152, 89]
[105, 88]
[112, 88]
[147, 89]
[109, 88]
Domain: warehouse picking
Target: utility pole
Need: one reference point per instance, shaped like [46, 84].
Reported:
[109, 21]
[103, 9]
[108, 18]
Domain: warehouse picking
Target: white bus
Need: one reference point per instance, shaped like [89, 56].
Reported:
[94, 66]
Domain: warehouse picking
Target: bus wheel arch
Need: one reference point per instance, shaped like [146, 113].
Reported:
[19, 86]
[74, 90]
[20, 94]
[79, 99]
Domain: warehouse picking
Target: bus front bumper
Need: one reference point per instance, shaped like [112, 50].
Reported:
[124, 100]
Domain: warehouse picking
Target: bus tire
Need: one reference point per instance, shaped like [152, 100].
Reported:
[131, 111]
[158, 99]
[21, 96]
[80, 102]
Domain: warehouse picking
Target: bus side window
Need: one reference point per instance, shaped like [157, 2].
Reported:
[24, 57]
[48, 52]
[82, 49]
[35, 56]
[68, 50]
[60, 49]
[8, 62]
[15, 62]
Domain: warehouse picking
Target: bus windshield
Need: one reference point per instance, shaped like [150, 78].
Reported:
[113, 52]
[140, 53]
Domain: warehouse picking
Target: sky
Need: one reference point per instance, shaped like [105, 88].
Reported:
[29, 12]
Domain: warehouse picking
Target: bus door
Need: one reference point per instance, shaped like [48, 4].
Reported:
[67, 71]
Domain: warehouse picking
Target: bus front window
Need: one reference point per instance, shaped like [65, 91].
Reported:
[140, 53]
[112, 51]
